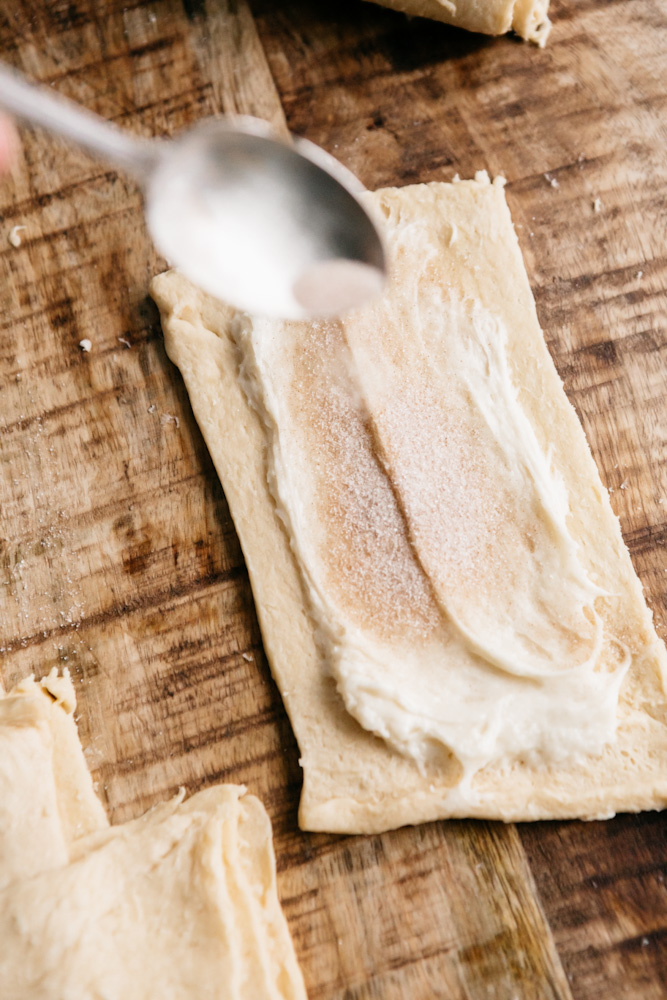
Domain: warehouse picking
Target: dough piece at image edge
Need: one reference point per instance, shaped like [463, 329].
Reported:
[528, 18]
[353, 780]
[47, 799]
[180, 903]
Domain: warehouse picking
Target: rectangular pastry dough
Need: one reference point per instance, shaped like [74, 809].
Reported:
[353, 780]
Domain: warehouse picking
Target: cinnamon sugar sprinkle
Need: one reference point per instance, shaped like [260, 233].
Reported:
[370, 566]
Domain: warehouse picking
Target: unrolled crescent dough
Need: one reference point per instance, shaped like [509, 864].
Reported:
[345, 617]
[180, 903]
[528, 18]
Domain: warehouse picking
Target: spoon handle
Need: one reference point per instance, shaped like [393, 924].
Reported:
[36, 105]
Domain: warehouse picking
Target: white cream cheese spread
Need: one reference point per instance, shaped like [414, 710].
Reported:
[431, 526]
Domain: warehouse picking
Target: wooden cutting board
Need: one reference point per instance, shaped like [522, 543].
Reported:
[118, 558]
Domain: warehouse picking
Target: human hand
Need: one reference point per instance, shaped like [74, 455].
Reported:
[8, 143]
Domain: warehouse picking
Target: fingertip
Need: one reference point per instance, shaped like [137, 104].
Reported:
[8, 143]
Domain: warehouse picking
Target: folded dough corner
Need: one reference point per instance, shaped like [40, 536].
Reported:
[528, 18]
[445, 598]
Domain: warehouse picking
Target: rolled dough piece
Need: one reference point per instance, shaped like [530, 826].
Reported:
[47, 799]
[178, 904]
[456, 260]
[528, 18]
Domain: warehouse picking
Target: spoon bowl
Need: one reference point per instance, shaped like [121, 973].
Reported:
[272, 226]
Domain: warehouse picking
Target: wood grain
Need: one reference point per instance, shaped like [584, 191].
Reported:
[118, 558]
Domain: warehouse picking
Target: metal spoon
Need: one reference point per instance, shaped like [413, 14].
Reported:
[274, 227]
